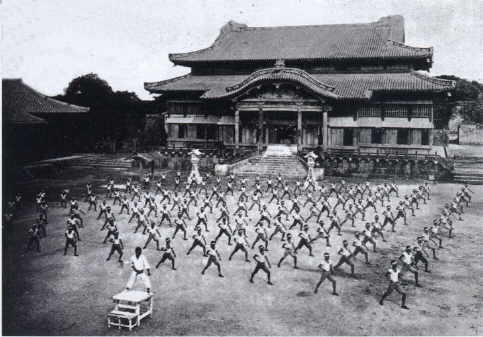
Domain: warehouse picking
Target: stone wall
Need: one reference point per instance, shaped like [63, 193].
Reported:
[470, 134]
[181, 160]
[384, 167]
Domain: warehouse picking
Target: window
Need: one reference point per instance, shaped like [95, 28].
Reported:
[184, 108]
[395, 110]
[211, 132]
[200, 131]
[377, 136]
[403, 136]
[182, 131]
[348, 137]
[416, 136]
[369, 111]
[425, 137]
[228, 134]
[422, 111]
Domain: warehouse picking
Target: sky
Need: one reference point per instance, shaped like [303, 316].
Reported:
[47, 43]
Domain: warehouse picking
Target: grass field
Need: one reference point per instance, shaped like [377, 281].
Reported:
[50, 294]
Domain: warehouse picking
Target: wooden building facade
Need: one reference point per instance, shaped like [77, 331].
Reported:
[348, 86]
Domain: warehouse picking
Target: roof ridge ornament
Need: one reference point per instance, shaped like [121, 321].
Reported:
[280, 63]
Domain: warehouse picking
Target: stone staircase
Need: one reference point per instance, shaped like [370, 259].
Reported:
[277, 159]
[468, 170]
[102, 161]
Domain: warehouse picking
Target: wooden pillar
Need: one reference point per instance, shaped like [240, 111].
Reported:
[237, 129]
[430, 137]
[260, 129]
[325, 130]
[299, 128]
[267, 132]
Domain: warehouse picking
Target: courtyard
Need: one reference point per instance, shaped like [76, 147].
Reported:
[48, 293]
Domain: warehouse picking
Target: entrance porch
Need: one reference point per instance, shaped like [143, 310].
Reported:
[294, 124]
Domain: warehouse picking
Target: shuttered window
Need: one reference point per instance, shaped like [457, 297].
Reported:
[337, 136]
[369, 111]
[191, 131]
[403, 136]
[365, 135]
[390, 136]
[416, 136]
[348, 136]
[181, 130]
[422, 110]
[200, 132]
[185, 108]
[377, 136]
[424, 137]
[229, 134]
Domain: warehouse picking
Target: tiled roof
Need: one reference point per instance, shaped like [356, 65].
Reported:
[381, 39]
[20, 102]
[22, 118]
[346, 86]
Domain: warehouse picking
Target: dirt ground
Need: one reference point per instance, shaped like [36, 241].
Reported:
[47, 293]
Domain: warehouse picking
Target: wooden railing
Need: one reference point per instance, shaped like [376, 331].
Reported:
[175, 143]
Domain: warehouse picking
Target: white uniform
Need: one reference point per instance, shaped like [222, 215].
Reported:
[140, 264]
[326, 265]
[394, 274]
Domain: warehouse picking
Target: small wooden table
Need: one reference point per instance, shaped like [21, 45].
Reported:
[130, 305]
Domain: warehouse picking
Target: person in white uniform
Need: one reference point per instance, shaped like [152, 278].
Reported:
[141, 270]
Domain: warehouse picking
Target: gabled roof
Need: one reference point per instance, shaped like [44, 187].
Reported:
[345, 86]
[20, 103]
[281, 74]
[238, 42]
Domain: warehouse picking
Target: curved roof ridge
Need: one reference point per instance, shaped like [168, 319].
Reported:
[173, 56]
[282, 74]
[148, 85]
[403, 45]
[223, 33]
[273, 70]
[434, 80]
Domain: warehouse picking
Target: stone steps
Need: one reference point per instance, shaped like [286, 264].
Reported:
[102, 161]
[271, 164]
[468, 170]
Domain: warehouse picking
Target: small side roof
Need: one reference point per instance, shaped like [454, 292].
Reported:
[20, 103]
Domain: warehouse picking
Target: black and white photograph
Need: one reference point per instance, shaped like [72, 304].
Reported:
[242, 167]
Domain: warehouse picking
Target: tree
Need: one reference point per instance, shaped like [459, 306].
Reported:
[88, 90]
[466, 99]
[114, 115]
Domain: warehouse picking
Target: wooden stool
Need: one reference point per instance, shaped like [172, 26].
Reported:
[122, 319]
